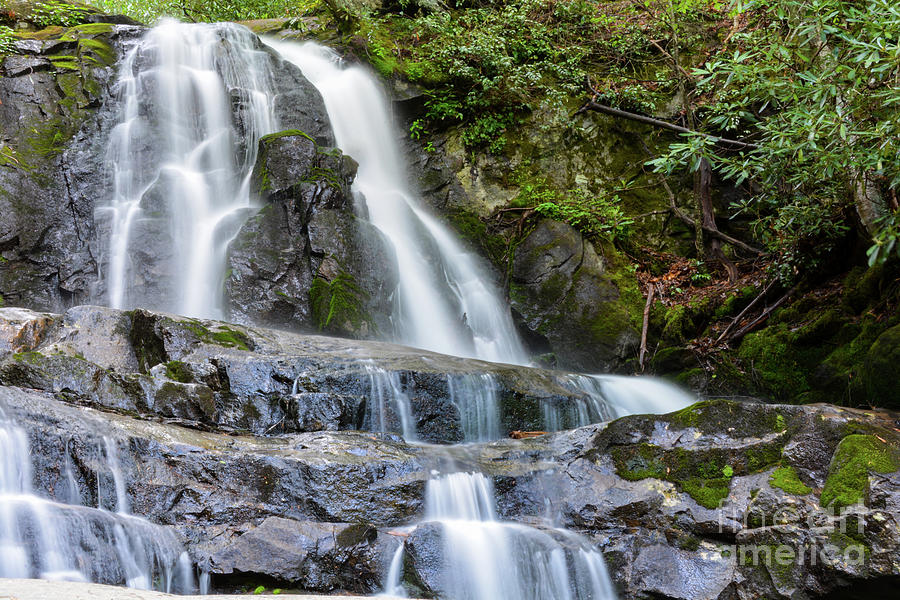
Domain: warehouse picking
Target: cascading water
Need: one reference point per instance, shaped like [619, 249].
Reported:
[609, 397]
[445, 301]
[487, 559]
[51, 540]
[180, 165]
[388, 395]
[475, 397]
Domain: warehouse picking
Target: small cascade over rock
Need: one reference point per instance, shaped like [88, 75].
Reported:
[445, 299]
[194, 101]
[609, 397]
[483, 558]
[475, 397]
[388, 396]
[43, 538]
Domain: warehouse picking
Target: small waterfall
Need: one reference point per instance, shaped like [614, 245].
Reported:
[387, 396]
[180, 161]
[445, 299]
[46, 539]
[487, 559]
[475, 396]
[609, 397]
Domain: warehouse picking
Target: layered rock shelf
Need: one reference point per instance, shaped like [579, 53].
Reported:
[708, 493]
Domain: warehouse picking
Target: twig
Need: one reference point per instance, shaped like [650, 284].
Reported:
[615, 112]
[763, 315]
[645, 326]
[747, 308]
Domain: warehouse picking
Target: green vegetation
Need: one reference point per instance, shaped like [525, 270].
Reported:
[338, 304]
[848, 475]
[179, 371]
[64, 14]
[786, 478]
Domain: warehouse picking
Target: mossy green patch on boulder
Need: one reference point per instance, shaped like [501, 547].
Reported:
[848, 475]
[785, 478]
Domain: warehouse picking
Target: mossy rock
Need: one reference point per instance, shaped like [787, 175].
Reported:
[786, 478]
[880, 370]
[848, 475]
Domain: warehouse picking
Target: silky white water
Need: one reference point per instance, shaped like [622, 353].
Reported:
[180, 167]
[608, 397]
[43, 538]
[488, 559]
[445, 299]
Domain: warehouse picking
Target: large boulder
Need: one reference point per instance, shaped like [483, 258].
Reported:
[570, 295]
[305, 261]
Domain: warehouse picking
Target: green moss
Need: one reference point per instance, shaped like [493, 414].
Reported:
[225, 336]
[179, 371]
[640, 462]
[338, 305]
[707, 492]
[266, 139]
[848, 474]
[232, 338]
[785, 478]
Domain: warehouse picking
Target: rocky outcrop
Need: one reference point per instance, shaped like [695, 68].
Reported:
[209, 374]
[55, 115]
[575, 301]
[716, 501]
[564, 291]
[305, 260]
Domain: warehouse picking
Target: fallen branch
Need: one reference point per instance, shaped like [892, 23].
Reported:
[763, 315]
[747, 309]
[521, 435]
[615, 112]
[645, 326]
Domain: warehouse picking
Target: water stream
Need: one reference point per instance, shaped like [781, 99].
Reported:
[180, 163]
[45, 538]
[446, 300]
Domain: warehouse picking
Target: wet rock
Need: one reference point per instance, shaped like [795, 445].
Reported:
[279, 507]
[320, 557]
[213, 374]
[320, 266]
[566, 293]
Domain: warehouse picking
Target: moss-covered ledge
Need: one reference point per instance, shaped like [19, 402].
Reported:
[702, 448]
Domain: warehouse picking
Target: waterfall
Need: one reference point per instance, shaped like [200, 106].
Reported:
[179, 184]
[42, 538]
[487, 559]
[475, 397]
[445, 300]
[609, 397]
[388, 396]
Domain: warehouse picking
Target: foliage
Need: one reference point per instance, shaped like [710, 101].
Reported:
[46, 14]
[206, 10]
[813, 84]
[6, 39]
[595, 216]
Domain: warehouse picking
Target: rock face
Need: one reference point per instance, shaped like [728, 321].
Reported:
[209, 374]
[562, 289]
[54, 119]
[573, 300]
[305, 260]
[715, 501]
